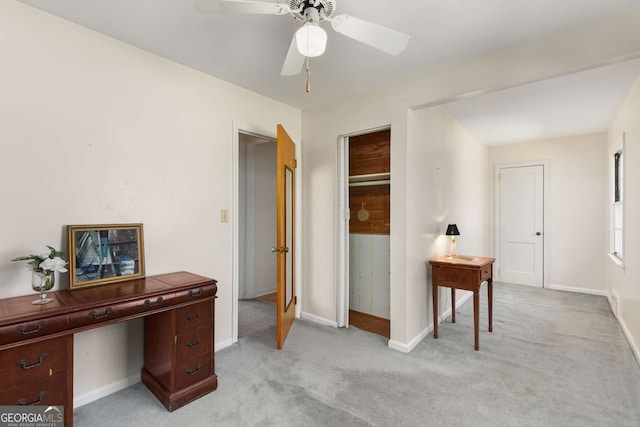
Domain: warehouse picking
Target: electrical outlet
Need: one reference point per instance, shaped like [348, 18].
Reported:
[224, 215]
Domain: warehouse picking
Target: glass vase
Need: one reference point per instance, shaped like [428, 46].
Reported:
[42, 282]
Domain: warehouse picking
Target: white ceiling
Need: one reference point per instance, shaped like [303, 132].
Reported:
[248, 50]
[575, 104]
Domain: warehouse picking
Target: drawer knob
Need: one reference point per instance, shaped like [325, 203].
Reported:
[23, 363]
[192, 319]
[148, 302]
[195, 294]
[194, 371]
[20, 329]
[41, 396]
[97, 316]
[193, 345]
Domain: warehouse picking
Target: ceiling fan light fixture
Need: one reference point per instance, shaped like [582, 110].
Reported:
[311, 40]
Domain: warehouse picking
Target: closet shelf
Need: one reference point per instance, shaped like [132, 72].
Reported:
[370, 179]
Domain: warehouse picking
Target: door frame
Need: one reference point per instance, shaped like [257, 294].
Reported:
[342, 224]
[545, 214]
[234, 217]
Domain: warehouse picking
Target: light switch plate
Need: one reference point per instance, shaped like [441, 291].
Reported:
[224, 215]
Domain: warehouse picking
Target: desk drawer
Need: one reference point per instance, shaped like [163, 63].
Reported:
[50, 391]
[37, 328]
[193, 370]
[196, 293]
[194, 316]
[193, 343]
[29, 362]
[112, 312]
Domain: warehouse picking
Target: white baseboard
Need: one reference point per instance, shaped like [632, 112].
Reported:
[634, 347]
[318, 319]
[407, 347]
[223, 344]
[579, 290]
[106, 390]
[263, 293]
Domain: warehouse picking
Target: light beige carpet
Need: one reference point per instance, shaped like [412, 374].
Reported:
[554, 359]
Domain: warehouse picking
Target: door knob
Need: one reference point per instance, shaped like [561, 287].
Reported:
[538, 233]
[282, 249]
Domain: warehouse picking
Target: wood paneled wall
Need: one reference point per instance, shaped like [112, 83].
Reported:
[376, 200]
[370, 154]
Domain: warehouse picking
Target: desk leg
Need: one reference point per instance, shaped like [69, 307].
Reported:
[453, 305]
[434, 294]
[490, 303]
[476, 317]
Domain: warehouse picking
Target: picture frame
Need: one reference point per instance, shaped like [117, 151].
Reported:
[104, 253]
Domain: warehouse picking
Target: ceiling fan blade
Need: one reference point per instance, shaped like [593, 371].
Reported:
[241, 6]
[374, 35]
[294, 61]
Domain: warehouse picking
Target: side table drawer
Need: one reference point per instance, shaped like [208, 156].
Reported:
[456, 277]
[486, 272]
[51, 391]
[29, 362]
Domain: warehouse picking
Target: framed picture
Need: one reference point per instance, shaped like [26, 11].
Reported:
[104, 253]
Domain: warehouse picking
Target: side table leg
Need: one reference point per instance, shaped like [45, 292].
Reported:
[453, 305]
[490, 303]
[434, 294]
[476, 318]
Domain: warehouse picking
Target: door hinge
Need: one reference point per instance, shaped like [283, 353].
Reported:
[295, 300]
[295, 163]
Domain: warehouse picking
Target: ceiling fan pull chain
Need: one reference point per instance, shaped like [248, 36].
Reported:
[308, 74]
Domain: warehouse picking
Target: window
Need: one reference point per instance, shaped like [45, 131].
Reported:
[617, 203]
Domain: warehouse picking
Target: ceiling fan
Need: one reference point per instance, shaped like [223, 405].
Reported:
[310, 40]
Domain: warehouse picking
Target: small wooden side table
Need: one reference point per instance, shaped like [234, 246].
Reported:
[463, 272]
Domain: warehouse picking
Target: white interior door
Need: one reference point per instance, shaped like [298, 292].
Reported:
[520, 192]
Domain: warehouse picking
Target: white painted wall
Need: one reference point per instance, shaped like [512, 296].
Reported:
[446, 169]
[626, 282]
[576, 209]
[573, 49]
[96, 131]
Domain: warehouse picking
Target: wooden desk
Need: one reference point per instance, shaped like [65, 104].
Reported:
[36, 341]
[466, 273]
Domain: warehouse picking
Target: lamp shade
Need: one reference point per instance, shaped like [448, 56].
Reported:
[452, 230]
[311, 40]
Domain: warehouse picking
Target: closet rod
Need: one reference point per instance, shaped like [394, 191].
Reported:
[367, 183]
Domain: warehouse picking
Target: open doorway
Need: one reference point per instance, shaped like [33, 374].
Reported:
[256, 233]
[366, 234]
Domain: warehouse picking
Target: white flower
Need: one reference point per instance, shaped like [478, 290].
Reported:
[53, 264]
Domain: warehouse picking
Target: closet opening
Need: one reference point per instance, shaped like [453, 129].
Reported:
[368, 162]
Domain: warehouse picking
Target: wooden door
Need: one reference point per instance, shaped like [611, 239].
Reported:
[285, 249]
[521, 212]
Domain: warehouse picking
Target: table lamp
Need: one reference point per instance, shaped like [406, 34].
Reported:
[452, 230]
